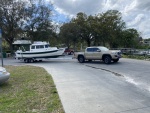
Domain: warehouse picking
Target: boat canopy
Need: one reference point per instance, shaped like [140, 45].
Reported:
[40, 43]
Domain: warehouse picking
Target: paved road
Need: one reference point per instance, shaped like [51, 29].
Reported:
[99, 88]
[136, 72]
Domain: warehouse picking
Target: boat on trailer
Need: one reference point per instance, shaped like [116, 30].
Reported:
[38, 51]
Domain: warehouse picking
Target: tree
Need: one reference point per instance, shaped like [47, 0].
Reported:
[11, 19]
[111, 27]
[102, 28]
[69, 34]
[130, 38]
[38, 18]
[107, 29]
[31, 19]
[84, 24]
[90, 26]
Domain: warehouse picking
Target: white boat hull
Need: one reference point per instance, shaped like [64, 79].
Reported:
[39, 54]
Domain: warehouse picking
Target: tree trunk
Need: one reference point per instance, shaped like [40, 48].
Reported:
[74, 46]
[88, 43]
[11, 49]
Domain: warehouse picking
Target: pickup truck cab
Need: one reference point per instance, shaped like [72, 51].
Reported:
[98, 53]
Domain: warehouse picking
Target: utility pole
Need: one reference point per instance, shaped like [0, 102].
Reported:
[1, 46]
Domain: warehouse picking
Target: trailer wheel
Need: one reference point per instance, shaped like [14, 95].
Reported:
[31, 60]
[26, 60]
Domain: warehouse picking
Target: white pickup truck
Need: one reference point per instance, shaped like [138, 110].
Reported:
[98, 53]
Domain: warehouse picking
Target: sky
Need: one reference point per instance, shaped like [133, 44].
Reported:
[136, 13]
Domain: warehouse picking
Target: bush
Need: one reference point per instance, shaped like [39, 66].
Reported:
[140, 57]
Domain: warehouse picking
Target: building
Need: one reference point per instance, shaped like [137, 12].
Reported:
[21, 44]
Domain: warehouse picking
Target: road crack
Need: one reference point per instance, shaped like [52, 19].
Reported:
[116, 74]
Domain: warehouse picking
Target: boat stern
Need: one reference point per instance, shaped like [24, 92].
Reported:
[61, 50]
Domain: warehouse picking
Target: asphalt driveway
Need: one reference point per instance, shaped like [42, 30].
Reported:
[99, 88]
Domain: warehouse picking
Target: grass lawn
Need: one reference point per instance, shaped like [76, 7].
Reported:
[29, 90]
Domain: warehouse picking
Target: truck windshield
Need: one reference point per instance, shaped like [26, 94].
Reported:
[103, 49]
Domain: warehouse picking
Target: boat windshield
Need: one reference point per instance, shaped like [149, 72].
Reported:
[47, 46]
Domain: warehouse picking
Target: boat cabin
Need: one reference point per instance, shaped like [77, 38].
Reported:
[40, 46]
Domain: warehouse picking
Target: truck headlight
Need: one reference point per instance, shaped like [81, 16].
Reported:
[115, 53]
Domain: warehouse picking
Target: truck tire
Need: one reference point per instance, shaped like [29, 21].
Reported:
[115, 60]
[107, 60]
[81, 59]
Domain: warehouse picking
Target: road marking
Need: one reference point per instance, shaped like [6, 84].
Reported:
[130, 80]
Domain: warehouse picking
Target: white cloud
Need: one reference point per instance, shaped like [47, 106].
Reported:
[136, 13]
[130, 6]
[138, 19]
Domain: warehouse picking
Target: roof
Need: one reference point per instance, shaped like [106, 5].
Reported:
[40, 43]
[19, 42]
[95, 46]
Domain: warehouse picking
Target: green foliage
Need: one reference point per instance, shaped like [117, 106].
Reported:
[33, 20]
[11, 19]
[139, 57]
[38, 18]
[108, 27]
[85, 24]
[147, 39]
[143, 47]
[103, 29]
[69, 34]
[130, 38]
[30, 19]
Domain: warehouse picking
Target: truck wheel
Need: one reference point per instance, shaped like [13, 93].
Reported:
[81, 59]
[107, 60]
[115, 60]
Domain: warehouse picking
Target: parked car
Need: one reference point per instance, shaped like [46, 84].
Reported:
[69, 51]
[4, 75]
[127, 51]
[141, 53]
